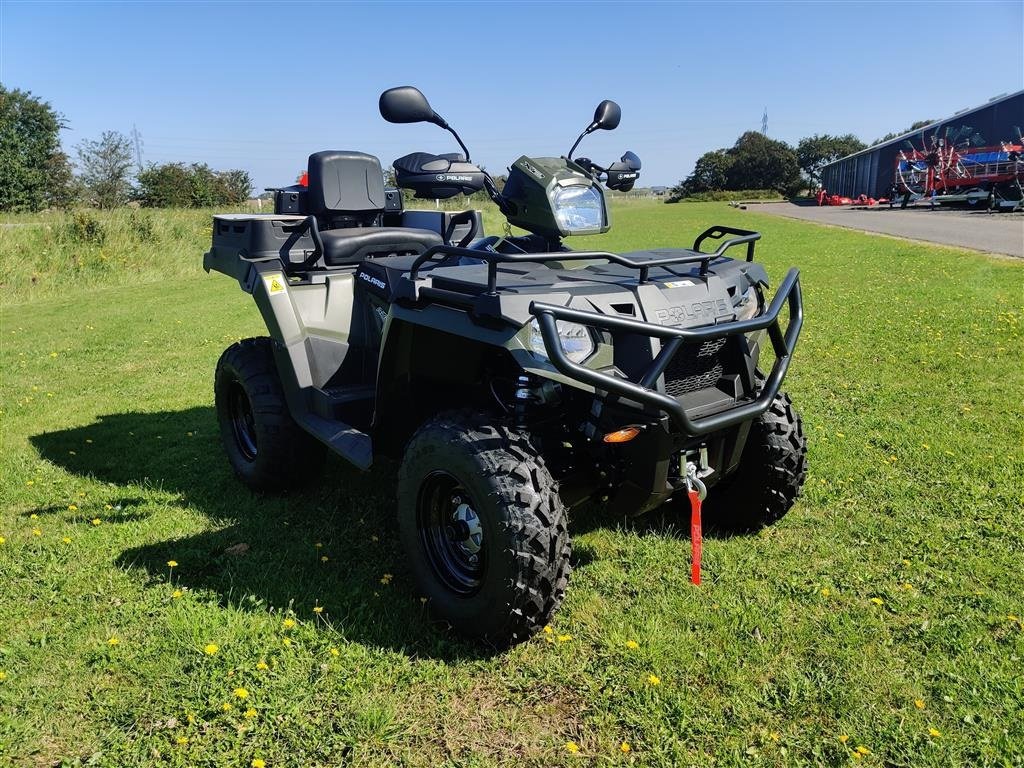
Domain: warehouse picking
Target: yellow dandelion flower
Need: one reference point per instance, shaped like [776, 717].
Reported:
[113, 640]
[862, 750]
[250, 713]
[191, 718]
[843, 739]
[288, 623]
[107, 507]
[183, 740]
[547, 629]
[386, 578]
[318, 609]
[33, 516]
[241, 693]
[774, 736]
[324, 559]
[66, 540]
[2, 540]
[919, 703]
[286, 641]
[95, 521]
[632, 645]
[176, 594]
[564, 638]
[72, 507]
[3, 676]
[30, 482]
[335, 652]
[262, 665]
[172, 563]
[934, 733]
[624, 747]
[826, 592]
[318, 545]
[877, 601]
[37, 532]
[572, 747]
[258, 763]
[225, 707]
[654, 680]
[211, 648]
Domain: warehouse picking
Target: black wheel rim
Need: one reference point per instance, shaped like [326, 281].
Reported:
[451, 533]
[243, 425]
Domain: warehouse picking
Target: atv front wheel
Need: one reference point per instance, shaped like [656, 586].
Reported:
[267, 449]
[484, 528]
[770, 475]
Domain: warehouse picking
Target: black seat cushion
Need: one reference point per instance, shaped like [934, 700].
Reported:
[353, 244]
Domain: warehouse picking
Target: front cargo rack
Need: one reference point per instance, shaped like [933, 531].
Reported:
[693, 256]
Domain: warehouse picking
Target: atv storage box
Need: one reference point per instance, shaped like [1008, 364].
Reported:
[239, 238]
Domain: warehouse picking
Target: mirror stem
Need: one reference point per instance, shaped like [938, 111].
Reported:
[440, 121]
[590, 129]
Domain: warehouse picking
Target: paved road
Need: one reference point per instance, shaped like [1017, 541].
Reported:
[994, 233]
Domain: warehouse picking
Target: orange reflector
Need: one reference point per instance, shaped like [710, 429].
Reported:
[622, 435]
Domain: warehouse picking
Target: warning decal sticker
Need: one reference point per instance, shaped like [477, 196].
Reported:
[274, 283]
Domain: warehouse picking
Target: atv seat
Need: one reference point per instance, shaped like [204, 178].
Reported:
[346, 194]
[353, 244]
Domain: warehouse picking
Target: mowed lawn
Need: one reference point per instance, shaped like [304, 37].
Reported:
[879, 622]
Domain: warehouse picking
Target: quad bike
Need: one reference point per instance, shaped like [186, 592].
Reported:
[513, 379]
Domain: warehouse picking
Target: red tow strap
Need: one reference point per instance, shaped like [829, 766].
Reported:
[695, 536]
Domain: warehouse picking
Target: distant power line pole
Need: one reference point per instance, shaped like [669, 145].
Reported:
[764, 122]
[137, 138]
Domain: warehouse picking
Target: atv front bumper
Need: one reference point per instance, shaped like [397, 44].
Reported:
[644, 391]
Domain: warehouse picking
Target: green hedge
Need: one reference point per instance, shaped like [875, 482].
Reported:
[725, 195]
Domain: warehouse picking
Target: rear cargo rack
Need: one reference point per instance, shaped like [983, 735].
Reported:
[693, 256]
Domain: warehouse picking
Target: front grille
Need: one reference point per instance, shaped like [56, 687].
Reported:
[694, 368]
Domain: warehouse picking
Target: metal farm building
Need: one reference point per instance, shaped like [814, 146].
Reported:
[872, 171]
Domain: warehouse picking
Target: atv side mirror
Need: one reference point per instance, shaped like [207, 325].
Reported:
[606, 116]
[406, 104]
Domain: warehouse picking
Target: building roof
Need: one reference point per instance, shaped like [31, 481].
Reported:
[990, 103]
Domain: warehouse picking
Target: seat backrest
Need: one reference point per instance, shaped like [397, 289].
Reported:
[345, 188]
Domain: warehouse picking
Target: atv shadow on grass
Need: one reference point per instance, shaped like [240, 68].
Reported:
[332, 544]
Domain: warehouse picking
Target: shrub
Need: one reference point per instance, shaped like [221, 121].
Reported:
[84, 229]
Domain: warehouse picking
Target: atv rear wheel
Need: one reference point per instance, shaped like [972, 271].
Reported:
[770, 475]
[267, 449]
[483, 526]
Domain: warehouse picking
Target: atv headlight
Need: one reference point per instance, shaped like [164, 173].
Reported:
[750, 304]
[577, 341]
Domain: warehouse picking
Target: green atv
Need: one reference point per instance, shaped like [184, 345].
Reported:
[513, 379]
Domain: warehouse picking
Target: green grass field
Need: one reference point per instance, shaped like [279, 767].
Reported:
[880, 622]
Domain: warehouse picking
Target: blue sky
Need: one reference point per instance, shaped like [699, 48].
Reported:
[261, 85]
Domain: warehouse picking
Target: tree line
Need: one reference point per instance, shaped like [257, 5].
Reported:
[756, 162]
[35, 173]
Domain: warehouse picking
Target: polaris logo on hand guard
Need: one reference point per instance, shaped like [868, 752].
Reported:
[374, 281]
[699, 310]
[453, 177]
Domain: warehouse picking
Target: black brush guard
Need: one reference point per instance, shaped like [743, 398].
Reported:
[642, 391]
